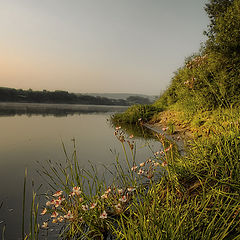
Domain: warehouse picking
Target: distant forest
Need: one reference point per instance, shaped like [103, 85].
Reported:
[19, 95]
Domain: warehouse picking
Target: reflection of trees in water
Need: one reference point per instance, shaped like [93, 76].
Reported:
[57, 112]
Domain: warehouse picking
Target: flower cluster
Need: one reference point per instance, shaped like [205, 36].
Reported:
[75, 207]
[196, 62]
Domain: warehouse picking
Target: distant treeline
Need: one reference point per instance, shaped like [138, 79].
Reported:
[19, 95]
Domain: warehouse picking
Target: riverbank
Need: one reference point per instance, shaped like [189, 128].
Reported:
[167, 196]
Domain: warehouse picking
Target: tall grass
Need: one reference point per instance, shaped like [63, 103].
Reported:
[168, 196]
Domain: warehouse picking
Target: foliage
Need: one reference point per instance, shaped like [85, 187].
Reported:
[135, 114]
[210, 78]
[19, 95]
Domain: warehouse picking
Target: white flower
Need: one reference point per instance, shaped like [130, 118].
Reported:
[103, 215]
[85, 207]
[44, 225]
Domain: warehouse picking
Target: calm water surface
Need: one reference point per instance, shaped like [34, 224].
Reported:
[26, 140]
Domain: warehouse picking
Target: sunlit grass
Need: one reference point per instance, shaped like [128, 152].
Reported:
[167, 196]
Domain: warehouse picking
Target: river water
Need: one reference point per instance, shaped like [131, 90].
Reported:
[30, 136]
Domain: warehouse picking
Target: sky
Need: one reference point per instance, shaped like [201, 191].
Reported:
[102, 46]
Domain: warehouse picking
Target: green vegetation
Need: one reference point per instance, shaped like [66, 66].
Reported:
[168, 196]
[135, 114]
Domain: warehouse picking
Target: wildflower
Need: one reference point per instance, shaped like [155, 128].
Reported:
[140, 172]
[156, 164]
[104, 196]
[118, 127]
[60, 219]
[123, 199]
[43, 211]
[131, 136]
[134, 168]
[57, 194]
[44, 225]
[164, 163]
[54, 220]
[120, 191]
[52, 202]
[54, 214]
[57, 203]
[85, 207]
[142, 164]
[118, 207]
[103, 215]
[139, 119]
[68, 215]
[71, 194]
[76, 190]
[149, 160]
[131, 189]
[48, 203]
[93, 205]
[121, 139]
[108, 190]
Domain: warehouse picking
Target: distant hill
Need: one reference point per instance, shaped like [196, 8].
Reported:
[124, 96]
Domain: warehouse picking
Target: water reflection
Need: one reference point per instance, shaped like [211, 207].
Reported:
[57, 110]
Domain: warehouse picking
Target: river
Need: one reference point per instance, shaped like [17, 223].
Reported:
[30, 136]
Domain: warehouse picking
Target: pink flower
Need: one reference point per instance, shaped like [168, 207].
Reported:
[156, 164]
[93, 205]
[118, 127]
[68, 215]
[131, 189]
[57, 194]
[164, 163]
[131, 136]
[76, 190]
[123, 199]
[104, 196]
[43, 211]
[120, 191]
[140, 172]
[85, 207]
[103, 215]
[48, 203]
[108, 190]
[134, 168]
[54, 214]
[118, 207]
[60, 219]
[142, 164]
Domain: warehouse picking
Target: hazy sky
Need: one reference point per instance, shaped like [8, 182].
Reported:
[97, 45]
